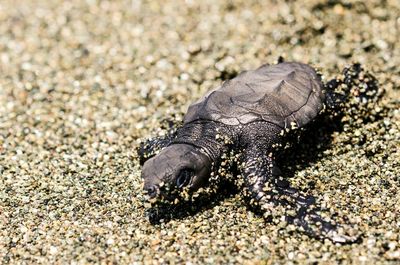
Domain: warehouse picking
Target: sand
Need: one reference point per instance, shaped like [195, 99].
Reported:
[83, 82]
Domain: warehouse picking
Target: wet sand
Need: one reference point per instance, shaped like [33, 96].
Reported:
[82, 82]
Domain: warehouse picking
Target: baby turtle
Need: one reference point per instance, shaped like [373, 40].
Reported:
[249, 115]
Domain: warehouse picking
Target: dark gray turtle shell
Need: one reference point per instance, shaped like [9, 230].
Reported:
[281, 94]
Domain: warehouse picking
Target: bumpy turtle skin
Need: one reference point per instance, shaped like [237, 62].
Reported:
[281, 94]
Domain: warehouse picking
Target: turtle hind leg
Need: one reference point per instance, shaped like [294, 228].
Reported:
[360, 84]
[353, 86]
[354, 94]
[334, 101]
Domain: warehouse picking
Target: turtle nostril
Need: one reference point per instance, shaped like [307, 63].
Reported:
[152, 191]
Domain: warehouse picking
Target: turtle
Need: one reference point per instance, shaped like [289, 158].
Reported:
[249, 116]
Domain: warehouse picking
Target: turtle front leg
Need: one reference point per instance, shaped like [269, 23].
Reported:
[257, 172]
[150, 147]
[272, 196]
[306, 215]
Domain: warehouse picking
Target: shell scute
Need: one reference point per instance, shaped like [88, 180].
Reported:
[280, 94]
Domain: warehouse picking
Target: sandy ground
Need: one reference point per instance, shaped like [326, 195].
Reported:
[81, 82]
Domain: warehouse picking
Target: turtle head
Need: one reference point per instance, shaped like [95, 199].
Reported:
[177, 167]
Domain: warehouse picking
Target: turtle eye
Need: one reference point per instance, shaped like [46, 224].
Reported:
[184, 177]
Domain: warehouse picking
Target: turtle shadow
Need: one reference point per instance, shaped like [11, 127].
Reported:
[308, 146]
[165, 212]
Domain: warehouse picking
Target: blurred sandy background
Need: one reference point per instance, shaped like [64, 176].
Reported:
[82, 81]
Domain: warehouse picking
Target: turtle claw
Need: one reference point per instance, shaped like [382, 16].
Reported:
[317, 227]
[307, 217]
[335, 237]
[338, 235]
